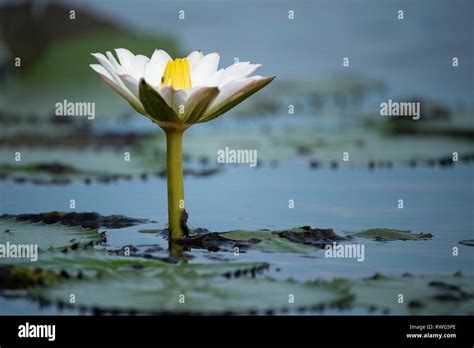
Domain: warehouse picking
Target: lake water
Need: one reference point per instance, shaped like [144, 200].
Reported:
[436, 200]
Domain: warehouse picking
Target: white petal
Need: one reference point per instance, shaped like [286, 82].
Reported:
[204, 69]
[125, 93]
[174, 99]
[118, 68]
[229, 89]
[137, 66]
[215, 79]
[193, 58]
[233, 93]
[108, 66]
[160, 57]
[192, 90]
[167, 94]
[129, 64]
[155, 68]
[237, 71]
[125, 56]
[104, 62]
[179, 103]
[131, 83]
[103, 72]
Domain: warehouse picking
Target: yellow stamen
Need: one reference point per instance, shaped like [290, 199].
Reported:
[177, 74]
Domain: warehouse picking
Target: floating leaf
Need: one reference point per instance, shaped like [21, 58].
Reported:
[72, 163]
[45, 236]
[84, 219]
[149, 230]
[269, 241]
[202, 294]
[300, 239]
[22, 277]
[440, 295]
[296, 240]
[387, 234]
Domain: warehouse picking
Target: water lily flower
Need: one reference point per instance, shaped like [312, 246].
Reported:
[175, 94]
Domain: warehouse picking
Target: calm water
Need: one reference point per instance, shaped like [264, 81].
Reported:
[437, 201]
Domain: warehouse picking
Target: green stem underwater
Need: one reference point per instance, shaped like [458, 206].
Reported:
[174, 141]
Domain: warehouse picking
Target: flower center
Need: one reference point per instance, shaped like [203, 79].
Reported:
[177, 74]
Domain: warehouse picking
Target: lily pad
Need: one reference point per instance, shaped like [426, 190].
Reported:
[202, 294]
[149, 230]
[270, 241]
[141, 285]
[387, 235]
[296, 240]
[105, 282]
[440, 294]
[22, 277]
[92, 264]
[108, 164]
[104, 165]
[56, 236]
[86, 219]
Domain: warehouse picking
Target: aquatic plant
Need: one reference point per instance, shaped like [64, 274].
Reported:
[175, 94]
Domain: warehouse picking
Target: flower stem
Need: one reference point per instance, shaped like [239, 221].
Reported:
[174, 141]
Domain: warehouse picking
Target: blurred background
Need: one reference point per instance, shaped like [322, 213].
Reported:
[335, 107]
